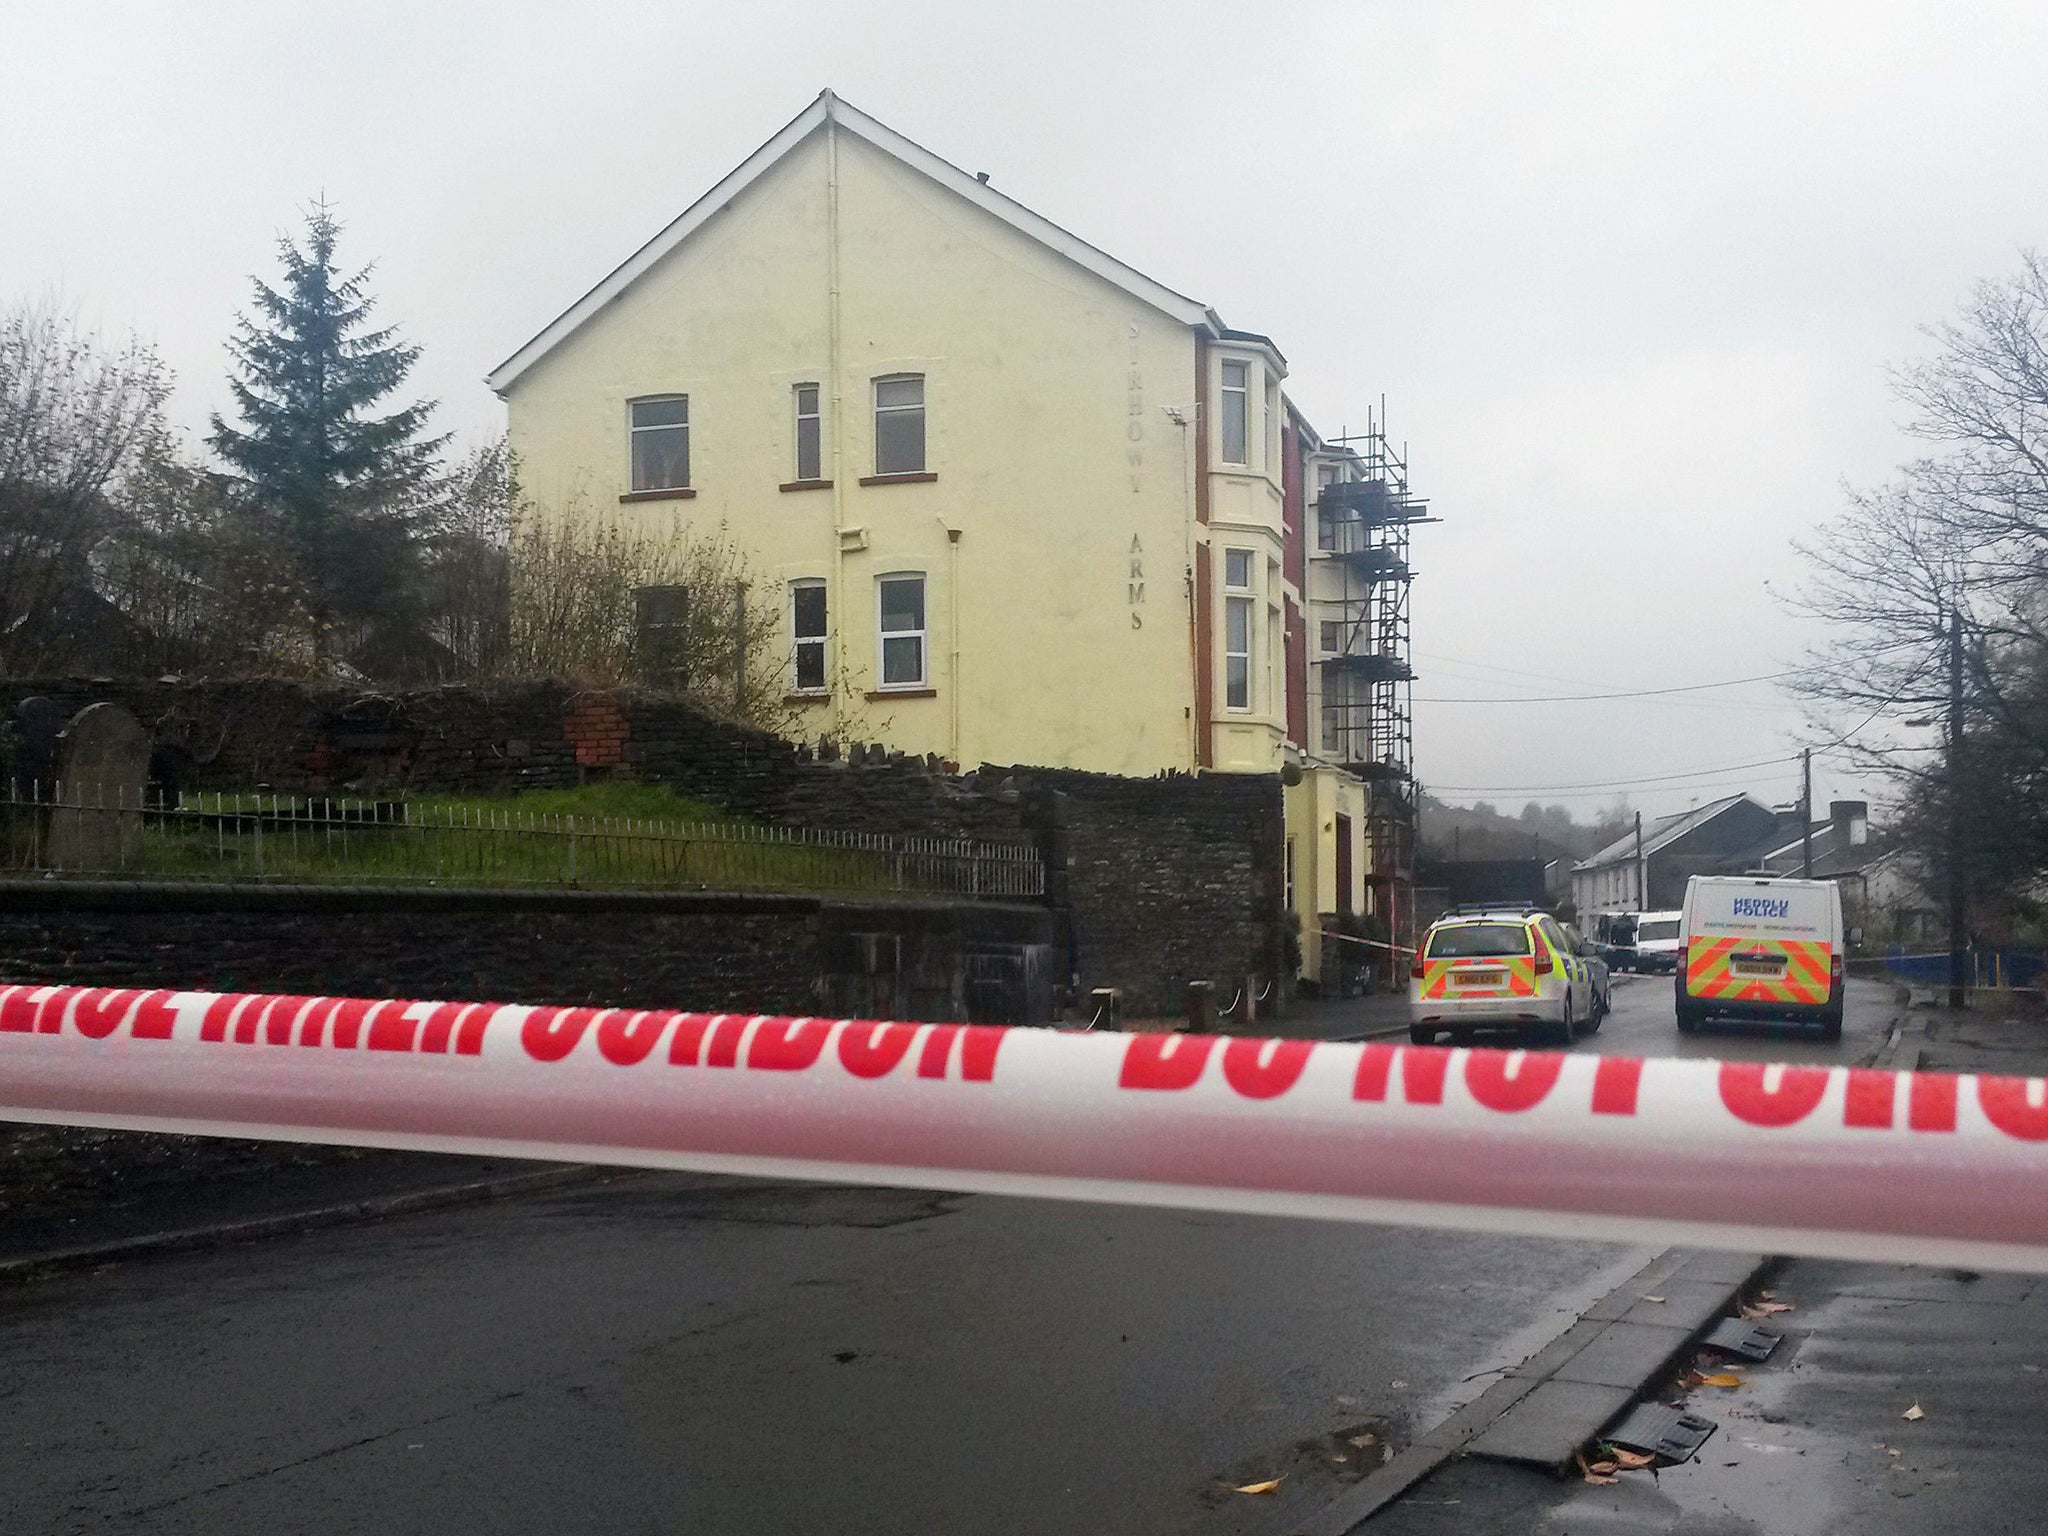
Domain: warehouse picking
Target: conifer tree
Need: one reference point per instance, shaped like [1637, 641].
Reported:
[347, 489]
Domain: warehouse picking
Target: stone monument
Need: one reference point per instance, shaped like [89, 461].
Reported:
[102, 769]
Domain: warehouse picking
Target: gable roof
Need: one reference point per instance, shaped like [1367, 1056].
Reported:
[828, 108]
[1666, 830]
[1833, 854]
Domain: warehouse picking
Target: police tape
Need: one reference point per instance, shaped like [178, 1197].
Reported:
[1399, 949]
[1825, 1161]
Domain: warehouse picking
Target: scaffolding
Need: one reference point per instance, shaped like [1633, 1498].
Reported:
[1365, 512]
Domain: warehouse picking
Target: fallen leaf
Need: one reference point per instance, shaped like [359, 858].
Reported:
[1340, 1458]
[1658, 1299]
[1889, 1451]
[1634, 1461]
[1266, 1487]
[1348, 1402]
[1590, 1475]
[1721, 1379]
[1359, 1440]
[1771, 1308]
[1602, 1468]
[1397, 1385]
[1914, 1412]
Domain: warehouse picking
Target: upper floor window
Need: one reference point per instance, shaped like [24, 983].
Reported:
[807, 626]
[899, 424]
[1272, 425]
[1326, 522]
[1237, 628]
[1236, 415]
[809, 441]
[900, 602]
[1276, 643]
[661, 443]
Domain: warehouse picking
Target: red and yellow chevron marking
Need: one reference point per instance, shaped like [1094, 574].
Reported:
[1710, 973]
[1520, 977]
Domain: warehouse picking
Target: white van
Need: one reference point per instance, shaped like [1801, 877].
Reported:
[1761, 949]
[1657, 940]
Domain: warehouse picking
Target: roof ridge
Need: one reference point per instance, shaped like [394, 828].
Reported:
[828, 107]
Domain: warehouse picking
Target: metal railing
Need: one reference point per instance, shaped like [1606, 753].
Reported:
[286, 839]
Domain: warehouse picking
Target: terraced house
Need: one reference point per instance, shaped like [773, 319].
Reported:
[1019, 500]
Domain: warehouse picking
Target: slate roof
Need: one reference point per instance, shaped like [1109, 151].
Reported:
[1665, 830]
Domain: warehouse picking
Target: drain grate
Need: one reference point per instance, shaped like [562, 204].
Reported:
[1660, 1431]
[1735, 1337]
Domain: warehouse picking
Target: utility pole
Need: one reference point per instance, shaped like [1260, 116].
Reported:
[1642, 875]
[1956, 937]
[1806, 814]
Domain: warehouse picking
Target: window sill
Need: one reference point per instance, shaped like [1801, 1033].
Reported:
[672, 493]
[920, 477]
[806, 485]
[807, 698]
[903, 693]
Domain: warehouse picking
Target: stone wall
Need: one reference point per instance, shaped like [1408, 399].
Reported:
[1155, 882]
[743, 953]
[1167, 881]
[294, 738]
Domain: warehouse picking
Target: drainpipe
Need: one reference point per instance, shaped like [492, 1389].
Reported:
[953, 634]
[836, 629]
[1180, 419]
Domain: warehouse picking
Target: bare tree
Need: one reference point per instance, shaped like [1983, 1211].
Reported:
[75, 415]
[1963, 529]
[205, 582]
[466, 563]
[595, 603]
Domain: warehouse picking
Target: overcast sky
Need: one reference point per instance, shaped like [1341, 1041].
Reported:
[1629, 274]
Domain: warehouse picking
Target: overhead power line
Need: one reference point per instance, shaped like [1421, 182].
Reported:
[1605, 784]
[1632, 693]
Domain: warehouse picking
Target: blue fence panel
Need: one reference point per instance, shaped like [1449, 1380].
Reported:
[1981, 967]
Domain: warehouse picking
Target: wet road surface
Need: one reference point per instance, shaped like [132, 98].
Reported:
[1645, 1023]
[676, 1354]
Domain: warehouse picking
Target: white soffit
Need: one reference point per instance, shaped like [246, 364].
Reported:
[829, 108]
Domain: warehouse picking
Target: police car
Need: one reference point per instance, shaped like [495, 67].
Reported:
[1513, 971]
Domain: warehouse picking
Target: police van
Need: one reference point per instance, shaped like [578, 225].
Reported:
[1761, 949]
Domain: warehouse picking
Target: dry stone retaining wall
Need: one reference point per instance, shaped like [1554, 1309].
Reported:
[1153, 883]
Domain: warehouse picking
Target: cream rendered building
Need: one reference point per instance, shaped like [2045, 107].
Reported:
[1021, 502]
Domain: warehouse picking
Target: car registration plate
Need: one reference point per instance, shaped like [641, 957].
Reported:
[1480, 978]
[1757, 967]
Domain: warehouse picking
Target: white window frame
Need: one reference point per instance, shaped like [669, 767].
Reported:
[924, 423]
[1225, 389]
[634, 429]
[798, 640]
[1271, 436]
[1276, 647]
[1238, 598]
[816, 416]
[922, 635]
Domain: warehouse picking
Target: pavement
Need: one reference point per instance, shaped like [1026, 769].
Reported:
[1902, 1399]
